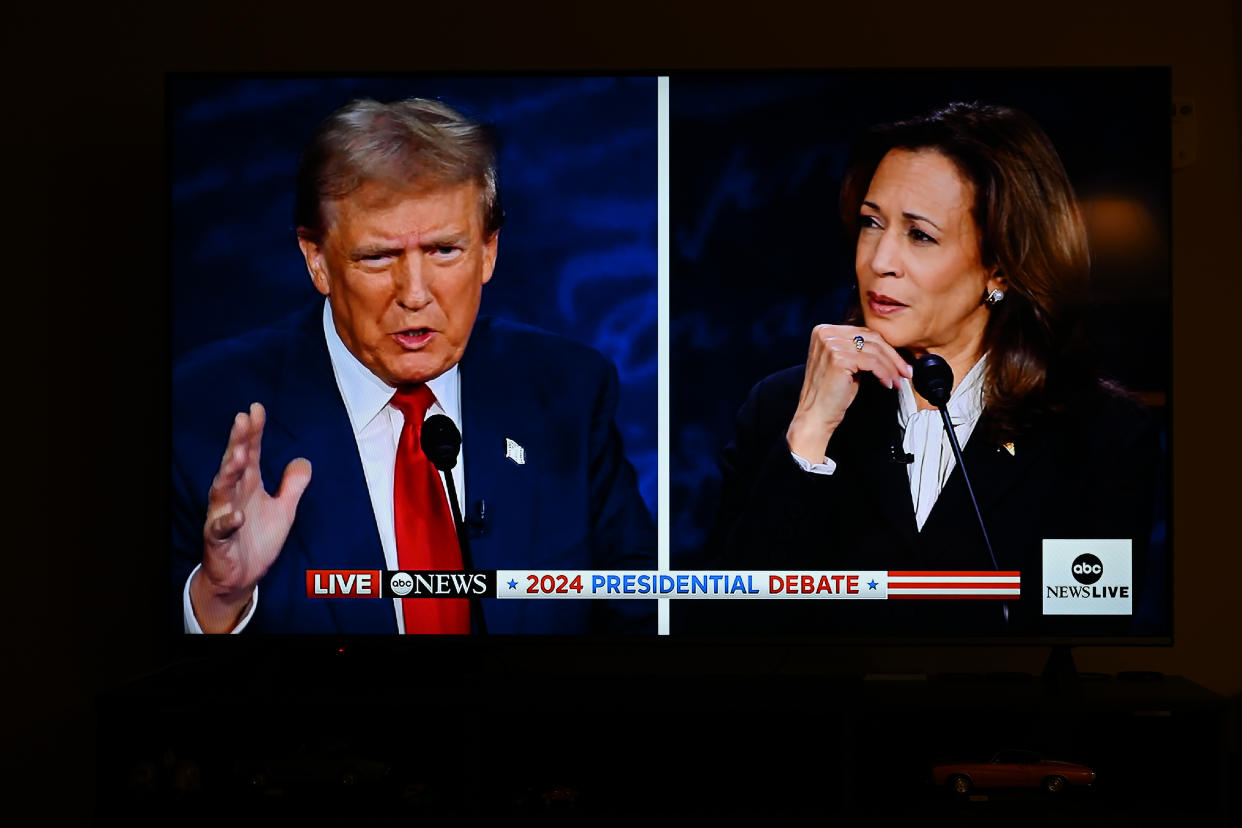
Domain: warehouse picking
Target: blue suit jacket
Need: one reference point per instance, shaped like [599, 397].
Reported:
[574, 504]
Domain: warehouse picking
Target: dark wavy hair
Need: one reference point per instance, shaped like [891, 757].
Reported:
[1030, 229]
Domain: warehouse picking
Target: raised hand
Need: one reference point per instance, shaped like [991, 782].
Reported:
[245, 528]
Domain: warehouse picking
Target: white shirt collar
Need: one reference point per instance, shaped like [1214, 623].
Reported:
[366, 395]
[926, 440]
[965, 404]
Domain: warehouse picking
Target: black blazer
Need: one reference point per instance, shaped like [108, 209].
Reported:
[1087, 473]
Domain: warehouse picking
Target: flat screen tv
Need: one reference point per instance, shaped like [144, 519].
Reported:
[665, 251]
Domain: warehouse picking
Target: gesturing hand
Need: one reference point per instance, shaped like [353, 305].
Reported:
[829, 385]
[245, 527]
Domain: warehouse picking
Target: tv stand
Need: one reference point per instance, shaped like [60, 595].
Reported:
[717, 745]
[1060, 674]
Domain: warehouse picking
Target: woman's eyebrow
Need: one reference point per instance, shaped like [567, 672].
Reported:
[908, 215]
[917, 217]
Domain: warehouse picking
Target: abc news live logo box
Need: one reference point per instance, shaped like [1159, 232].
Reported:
[1088, 577]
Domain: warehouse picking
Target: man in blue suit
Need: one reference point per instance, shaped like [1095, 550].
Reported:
[398, 221]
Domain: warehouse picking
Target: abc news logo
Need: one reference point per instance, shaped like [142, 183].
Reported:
[1088, 576]
[439, 585]
[1087, 569]
[372, 583]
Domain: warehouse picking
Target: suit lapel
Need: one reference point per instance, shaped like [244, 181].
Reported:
[885, 485]
[994, 473]
[498, 406]
[335, 526]
[868, 443]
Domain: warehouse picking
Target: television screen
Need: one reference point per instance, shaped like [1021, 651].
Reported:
[830, 228]
[330, 249]
[497, 243]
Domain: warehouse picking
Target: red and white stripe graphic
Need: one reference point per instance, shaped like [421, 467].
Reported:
[954, 584]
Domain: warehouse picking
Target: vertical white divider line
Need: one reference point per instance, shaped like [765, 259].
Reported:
[662, 354]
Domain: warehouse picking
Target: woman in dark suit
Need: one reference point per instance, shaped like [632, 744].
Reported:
[970, 245]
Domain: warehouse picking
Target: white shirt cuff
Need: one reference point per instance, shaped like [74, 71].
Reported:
[827, 467]
[192, 626]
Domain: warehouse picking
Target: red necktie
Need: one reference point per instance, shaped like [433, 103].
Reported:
[426, 537]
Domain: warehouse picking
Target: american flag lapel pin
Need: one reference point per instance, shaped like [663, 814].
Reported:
[515, 452]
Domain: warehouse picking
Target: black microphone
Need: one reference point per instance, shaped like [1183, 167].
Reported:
[477, 521]
[933, 380]
[896, 451]
[441, 443]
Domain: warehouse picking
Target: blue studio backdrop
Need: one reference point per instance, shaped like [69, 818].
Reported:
[577, 167]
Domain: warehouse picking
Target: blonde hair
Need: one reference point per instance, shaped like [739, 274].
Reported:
[410, 142]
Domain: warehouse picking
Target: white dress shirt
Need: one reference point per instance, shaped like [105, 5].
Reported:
[926, 439]
[377, 430]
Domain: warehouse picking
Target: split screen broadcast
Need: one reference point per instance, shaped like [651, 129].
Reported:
[845, 354]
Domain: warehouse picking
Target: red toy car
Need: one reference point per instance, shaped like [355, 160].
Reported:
[1012, 769]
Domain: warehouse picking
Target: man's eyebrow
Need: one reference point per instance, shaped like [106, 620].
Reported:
[448, 235]
[364, 251]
